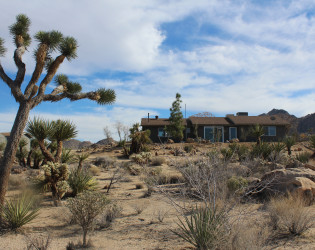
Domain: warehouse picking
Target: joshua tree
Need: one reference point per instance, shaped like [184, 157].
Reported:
[289, 141]
[257, 132]
[62, 131]
[31, 95]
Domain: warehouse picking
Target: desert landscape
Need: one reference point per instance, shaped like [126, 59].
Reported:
[150, 197]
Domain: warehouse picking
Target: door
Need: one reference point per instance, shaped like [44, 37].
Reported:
[214, 133]
[232, 133]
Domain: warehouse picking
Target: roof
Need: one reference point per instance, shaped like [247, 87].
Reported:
[230, 120]
[7, 134]
[157, 122]
[209, 120]
[253, 120]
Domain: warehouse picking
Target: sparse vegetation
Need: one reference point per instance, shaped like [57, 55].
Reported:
[289, 141]
[85, 208]
[19, 211]
[80, 181]
[303, 157]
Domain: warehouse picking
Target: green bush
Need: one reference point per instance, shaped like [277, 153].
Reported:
[236, 183]
[262, 150]
[289, 141]
[312, 141]
[303, 157]
[227, 153]
[19, 212]
[188, 148]
[204, 229]
[80, 181]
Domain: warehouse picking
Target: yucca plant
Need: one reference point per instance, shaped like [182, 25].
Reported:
[204, 229]
[289, 141]
[80, 181]
[67, 156]
[18, 212]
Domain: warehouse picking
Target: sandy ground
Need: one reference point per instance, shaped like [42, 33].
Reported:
[145, 223]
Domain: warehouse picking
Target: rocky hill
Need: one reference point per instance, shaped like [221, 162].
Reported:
[301, 125]
[76, 144]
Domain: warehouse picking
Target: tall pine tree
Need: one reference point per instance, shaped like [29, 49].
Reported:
[176, 127]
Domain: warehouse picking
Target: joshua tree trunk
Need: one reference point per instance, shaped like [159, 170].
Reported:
[59, 151]
[11, 148]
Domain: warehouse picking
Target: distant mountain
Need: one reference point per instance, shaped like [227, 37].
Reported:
[76, 144]
[301, 125]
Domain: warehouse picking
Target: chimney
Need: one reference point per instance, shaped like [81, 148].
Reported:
[156, 117]
[242, 113]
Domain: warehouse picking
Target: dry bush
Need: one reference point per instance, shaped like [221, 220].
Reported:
[289, 214]
[249, 236]
[158, 161]
[94, 170]
[85, 208]
[38, 242]
[16, 182]
[109, 215]
[139, 186]
[105, 162]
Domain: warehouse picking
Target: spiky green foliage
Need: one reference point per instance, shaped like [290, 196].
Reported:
[2, 48]
[68, 47]
[205, 229]
[139, 141]
[80, 181]
[176, 127]
[67, 156]
[289, 141]
[39, 128]
[62, 130]
[18, 212]
[51, 39]
[257, 131]
[312, 141]
[107, 96]
[262, 150]
[21, 28]
[73, 87]
[61, 79]
[85, 207]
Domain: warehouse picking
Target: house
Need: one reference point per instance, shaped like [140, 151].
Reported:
[221, 129]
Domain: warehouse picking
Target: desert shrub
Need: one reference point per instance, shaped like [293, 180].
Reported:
[227, 153]
[289, 141]
[104, 162]
[236, 183]
[111, 212]
[188, 148]
[278, 147]
[262, 150]
[2, 146]
[157, 160]
[139, 186]
[54, 179]
[288, 214]
[303, 157]
[16, 181]
[139, 141]
[178, 151]
[141, 158]
[19, 212]
[204, 229]
[94, 170]
[38, 242]
[85, 208]
[80, 181]
[312, 141]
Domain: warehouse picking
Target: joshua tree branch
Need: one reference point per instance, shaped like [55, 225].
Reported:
[40, 63]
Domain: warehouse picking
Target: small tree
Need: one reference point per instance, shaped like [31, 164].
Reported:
[34, 93]
[107, 133]
[176, 127]
[85, 207]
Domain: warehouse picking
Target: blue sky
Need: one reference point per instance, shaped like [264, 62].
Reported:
[222, 56]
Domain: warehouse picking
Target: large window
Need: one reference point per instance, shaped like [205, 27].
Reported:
[214, 133]
[270, 131]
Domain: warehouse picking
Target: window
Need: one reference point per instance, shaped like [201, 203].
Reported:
[162, 133]
[270, 131]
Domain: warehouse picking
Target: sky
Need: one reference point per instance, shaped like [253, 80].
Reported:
[222, 57]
